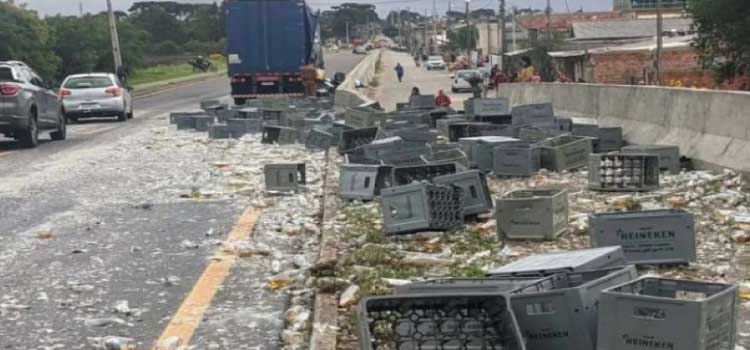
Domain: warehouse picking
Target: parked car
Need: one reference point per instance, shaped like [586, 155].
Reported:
[436, 62]
[461, 80]
[360, 50]
[28, 105]
[95, 95]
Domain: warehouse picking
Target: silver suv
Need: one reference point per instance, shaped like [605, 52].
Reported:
[28, 106]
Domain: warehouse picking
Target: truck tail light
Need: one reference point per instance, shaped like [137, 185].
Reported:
[10, 90]
[114, 91]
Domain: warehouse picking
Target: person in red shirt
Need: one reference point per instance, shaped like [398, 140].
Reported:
[442, 100]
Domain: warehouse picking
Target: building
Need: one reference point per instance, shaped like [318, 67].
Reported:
[648, 5]
[593, 34]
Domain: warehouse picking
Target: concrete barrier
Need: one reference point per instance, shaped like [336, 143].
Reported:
[711, 127]
[347, 94]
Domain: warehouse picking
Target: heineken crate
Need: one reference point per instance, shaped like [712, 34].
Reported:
[479, 149]
[564, 124]
[352, 139]
[362, 117]
[378, 148]
[409, 154]
[647, 237]
[173, 117]
[443, 125]
[202, 122]
[465, 285]
[417, 135]
[545, 265]
[457, 131]
[185, 121]
[669, 156]
[210, 104]
[421, 207]
[319, 139]
[532, 214]
[465, 321]
[474, 108]
[659, 313]
[610, 139]
[422, 102]
[279, 134]
[477, 196]
[405, 175]
[363, 182]
[565, 152]
[535, 134]
[219, 132]
[284, 177]
[276, 104]
[402, 106]
[225, 114]
[245, 126]
[516, 160]
[454, 155]
[561, 311]
[438, 114]
[623, 172]
[534, 114]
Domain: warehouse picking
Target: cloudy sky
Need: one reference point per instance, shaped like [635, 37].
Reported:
[70, 7]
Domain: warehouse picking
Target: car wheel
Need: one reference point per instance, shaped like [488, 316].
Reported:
[454, 90]
[62, 129]
[122, 117]
[130, 115]
[30, 137]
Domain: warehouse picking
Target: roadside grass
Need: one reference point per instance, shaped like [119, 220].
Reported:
[167, 72]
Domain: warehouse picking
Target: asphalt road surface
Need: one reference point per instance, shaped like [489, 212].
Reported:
[108, 217]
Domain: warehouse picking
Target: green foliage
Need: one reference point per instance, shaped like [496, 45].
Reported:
[723, 39]
[463, 38]
[25, 37]
[333, 23]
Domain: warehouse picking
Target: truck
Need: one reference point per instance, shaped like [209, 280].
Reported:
[268, 43]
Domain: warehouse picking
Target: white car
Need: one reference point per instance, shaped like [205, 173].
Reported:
[435, 62]
[95, 95]
[461, 80]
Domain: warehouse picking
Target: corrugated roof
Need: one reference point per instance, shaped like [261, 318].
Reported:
[624, 29]
[648, 45]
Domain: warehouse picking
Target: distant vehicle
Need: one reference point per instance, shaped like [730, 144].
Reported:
[28, 106]
[95, 95]
[268, 43]
[435, 62]
[461, 80]
[360, 50]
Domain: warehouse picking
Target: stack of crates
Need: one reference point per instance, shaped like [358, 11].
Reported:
[478, 199]
[443, 125]
[669, 156]
[542, 115]
[490, 110]
[422, 207]
[561, 311]
[279, 134]
[545, 265]
[659, 313]
[623, 172]
[363, 182]
[404, 175]
[225, 114]
[480, 149]
[516, 160]
[457, 131]
[284, 177]
[565, 152]
[353, 139]
[364, 117]
[647, 237]
[532, 214]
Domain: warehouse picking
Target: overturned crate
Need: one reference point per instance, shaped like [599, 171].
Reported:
[363, 182]
[454, 155]
[245, 126]
[669, 156]
[561, 311]
[541, 114]
[353, 139]
[225, 114]
[532, 214]
[647, 237]
[422, 207]
[202, 122]
[185, 121]
[219, 132]
[319, 139]
[607, 139]
[465, 285]
[284, 177]
[279, 135]
[659, 313]
[404, 175]
[467, 321]
[545, 265]
[174, 116]
[565, 152]
[516, 160]
[364, 117]
[623, 172]
[480, 149]
[477, 196]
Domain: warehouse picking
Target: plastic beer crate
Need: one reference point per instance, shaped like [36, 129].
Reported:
[565, 152]
[659, 313]
[548, 264]
[404, 175]
[363, 182]
[532, 214]
[647, 237]
[535, 134]
[284, 177]
[465, 285]
[480, 149]
[487, 107]
[352, 139]
[279, 134]
[422, 102]
[477, 196]
[421, 207]
[319, 139]
[534, 114]
[516, 160]
[669, 156]
[363, 117]
[623, 172]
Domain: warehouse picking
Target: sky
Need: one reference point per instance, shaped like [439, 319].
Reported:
[70, 7]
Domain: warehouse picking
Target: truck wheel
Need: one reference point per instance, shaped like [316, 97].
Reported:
[29, 138]
[62, 129]
[239, 101]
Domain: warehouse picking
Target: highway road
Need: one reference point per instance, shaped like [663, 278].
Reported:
[135, 213]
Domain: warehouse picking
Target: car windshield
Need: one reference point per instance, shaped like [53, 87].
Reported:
[88, 83]
[6, 74]
[466, 75]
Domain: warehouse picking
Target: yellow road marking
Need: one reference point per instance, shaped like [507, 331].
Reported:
[6, 153]
[189, 316]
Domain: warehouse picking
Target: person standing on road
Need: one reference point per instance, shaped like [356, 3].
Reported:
[476, 85]
[415, 92]
[310, 80]
[399, 72]
[442, 100]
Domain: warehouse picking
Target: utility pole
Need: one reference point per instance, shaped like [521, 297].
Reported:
[347, 34]
[468, 36]
[433, 40]
[115, 40]
[659, 41]
[501, 32]
[80, 8]
[549, 19]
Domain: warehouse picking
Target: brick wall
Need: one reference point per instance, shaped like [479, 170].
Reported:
[628, 67]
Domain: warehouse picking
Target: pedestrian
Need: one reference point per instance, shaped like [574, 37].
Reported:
[399, 72]
[310, 80]
[476, 85]
[415, 92]
[442, 100]
[122, 74]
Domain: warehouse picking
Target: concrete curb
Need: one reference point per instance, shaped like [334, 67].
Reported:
[325, 313]
[347, 95]
[150, 89]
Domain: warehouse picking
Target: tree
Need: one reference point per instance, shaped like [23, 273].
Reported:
[463, 38]
[334, 23]
[723, 41]
[483, 13]
[25, 37]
